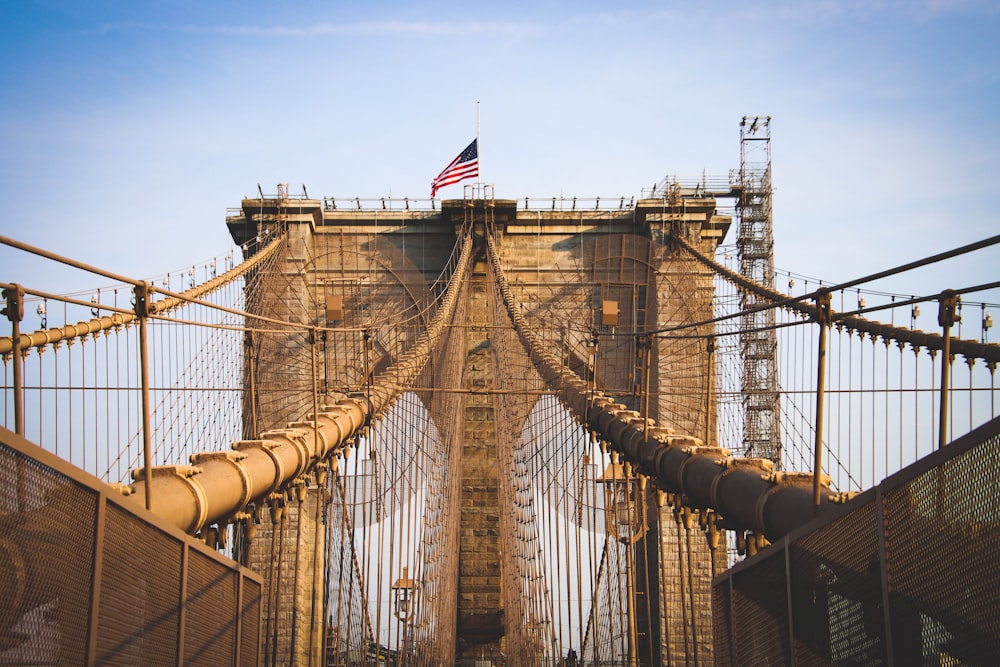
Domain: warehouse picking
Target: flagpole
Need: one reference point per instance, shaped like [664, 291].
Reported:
[479, 149]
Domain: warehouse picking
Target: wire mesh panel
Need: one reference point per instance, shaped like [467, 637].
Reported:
[86, 580]
[942, 541]
[837, 593]
[760, 613]
[722, 622]
[46, 562]
[926, 542]
[140, 593]
[250, 613]
[210, 612]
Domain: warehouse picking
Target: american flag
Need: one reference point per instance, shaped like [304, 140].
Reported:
[466, 165]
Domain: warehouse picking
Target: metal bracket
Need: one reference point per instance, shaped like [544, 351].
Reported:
[14, 295]
[948, 308]
[824, 315]
[143, 292]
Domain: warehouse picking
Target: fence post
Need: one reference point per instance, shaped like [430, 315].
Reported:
[947, 305]
[823, 319]
[14, 295]
[142, 294]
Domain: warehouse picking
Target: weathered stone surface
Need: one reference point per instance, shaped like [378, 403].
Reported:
[565, 264]
[480, 611]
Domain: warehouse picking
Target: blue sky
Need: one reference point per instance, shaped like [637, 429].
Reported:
[127, 128]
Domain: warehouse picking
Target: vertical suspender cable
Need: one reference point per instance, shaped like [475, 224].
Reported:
[280, 528]
[300, 498]
[314, 655]
[680, 576]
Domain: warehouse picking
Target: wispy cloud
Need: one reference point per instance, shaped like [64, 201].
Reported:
[795, 11]
[860, 9]
[328, 28]
[792, 10]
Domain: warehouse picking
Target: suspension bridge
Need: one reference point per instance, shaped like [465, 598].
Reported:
[483, 431]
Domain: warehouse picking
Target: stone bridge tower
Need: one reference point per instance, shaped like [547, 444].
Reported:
[607, 271]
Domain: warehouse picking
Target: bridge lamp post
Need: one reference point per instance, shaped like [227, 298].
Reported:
[625, 506]
[402, 593]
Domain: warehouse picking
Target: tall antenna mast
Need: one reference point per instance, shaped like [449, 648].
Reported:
[755, 244]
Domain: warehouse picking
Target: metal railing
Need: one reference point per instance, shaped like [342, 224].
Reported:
[900, 575]
[707, 185]
[86, 579]
[560, 203]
